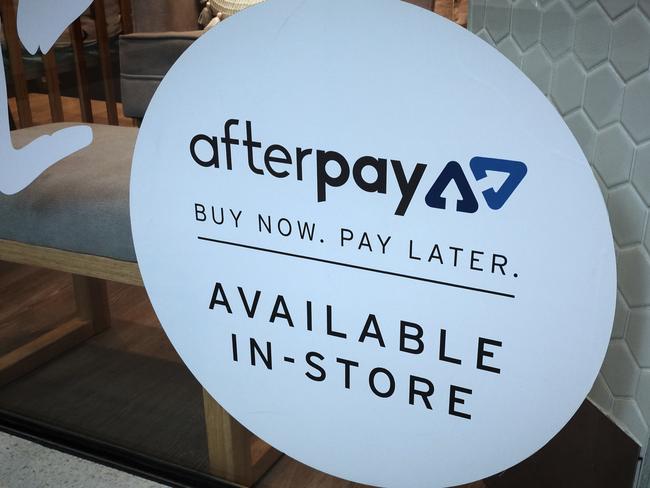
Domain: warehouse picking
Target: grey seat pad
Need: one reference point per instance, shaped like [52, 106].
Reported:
[81, 203]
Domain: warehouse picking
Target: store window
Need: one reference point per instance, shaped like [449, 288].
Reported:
[85, 364]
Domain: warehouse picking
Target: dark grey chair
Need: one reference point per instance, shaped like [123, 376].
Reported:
[163, 30]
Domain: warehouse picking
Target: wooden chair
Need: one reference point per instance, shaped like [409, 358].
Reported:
[234, 453]
[50, 69]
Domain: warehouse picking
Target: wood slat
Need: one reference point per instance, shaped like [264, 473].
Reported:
[44, 348]
[105, 60]
[126, 16]
[10, 30]
[83, 90]
[53, 87]
[71, 262]
[41, 110]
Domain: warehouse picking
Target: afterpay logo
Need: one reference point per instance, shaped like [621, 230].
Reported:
[370, 174]
[495, 198]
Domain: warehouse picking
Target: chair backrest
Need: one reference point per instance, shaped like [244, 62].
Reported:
[165, 15]
[19, 80]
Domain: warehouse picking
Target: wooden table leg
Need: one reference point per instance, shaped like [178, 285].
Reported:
[92, 316]
[235, 454]
[91, 298]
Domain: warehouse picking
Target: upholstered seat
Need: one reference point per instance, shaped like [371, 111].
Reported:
[81, 203]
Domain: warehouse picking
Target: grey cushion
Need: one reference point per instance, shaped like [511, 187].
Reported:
[145, 59]
[81, 203]
[165, 15]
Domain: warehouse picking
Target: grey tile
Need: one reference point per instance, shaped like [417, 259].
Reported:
[592, 35]
[627, 411]
[576, 4]
[526, 22]
[627, 214]
[634, 276]
[476, 15]
[630, 53]
[620, 369]
[620, 317]
[638, 335]
[601, 395]
[497, 18]
[568, 84]
[603, 96]
[485, 36]
[557, 29]
[646, 239]
[636, 108]
[613, 156]
[510, 50]
[538, 67]
[644, 5]
[583, 130]
[601, 184]
[643, 395]
[614, 8]
[641, 174]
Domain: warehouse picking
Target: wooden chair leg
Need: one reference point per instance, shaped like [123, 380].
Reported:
[99, 12]
[92, 317]
[85, 104]
[235, 454]
[91, 298]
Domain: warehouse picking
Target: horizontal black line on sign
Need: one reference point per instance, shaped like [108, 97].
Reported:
[356, 266]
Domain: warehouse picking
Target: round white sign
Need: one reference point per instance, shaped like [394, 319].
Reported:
[373, 241]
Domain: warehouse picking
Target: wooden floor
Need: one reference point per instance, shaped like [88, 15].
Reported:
[126, 386]
[71, 110]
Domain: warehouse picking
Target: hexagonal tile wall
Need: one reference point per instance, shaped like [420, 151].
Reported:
[639, 335]
[621, 372]
[591, 58]
[613, 156]
[526, 19]
[557, 29]
[591, 43]
[644, 5]
[636, 107]
[568, 84]
[628, 215]
[603, 96]
[631, 45]
[614, 8]
[641, 175]
[509, 48]
[621, 317]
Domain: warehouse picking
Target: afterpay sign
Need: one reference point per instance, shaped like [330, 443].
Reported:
[373, 241]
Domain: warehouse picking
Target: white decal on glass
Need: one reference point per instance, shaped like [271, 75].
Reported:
[38, 26]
